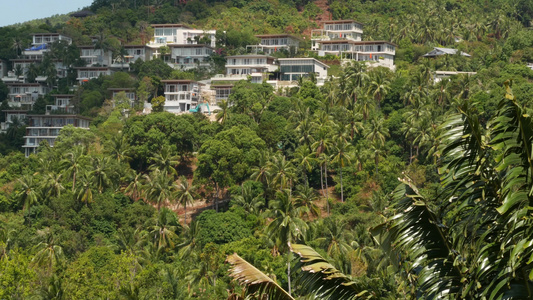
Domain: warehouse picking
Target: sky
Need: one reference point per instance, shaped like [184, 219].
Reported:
[18, 11]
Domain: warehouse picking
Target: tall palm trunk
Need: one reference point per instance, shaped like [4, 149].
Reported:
[74, 181]
[289, 269]
[326, 175]
[322, 181]
[342, 191]
[185, 220]
[216, 198]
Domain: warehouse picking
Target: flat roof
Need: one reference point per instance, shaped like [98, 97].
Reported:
[358, 42]
[48, 33]
[341, 22]
[59, 116]
[250, 55]
[453, 73]
[62, 95]
[214, 86]
[189, 46]
[181, 81]
[91, 68]
[277, 35]
[24, 60]
[134, 46]
[23, 84]
[303, 58]
[120, 89]
[169, 26]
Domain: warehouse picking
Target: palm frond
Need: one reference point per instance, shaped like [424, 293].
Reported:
[322, 279]
[255, 280]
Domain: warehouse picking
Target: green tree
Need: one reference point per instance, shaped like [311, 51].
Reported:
[485, 187]
[158, 104]
[287, 226]
[28, 193]
[186, 194]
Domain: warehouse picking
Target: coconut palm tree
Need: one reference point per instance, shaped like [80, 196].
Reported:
[166, 230]
[49, 254]
[379, 85]
[341, 157]
[135, 186]
[470, 240]
[286, 226]
[282, 170]
[101, 172]
[73, 162]
[165, 161]
[17, 45]
[186, 194]
[159, 188]
[29, 193]
[305, 197]
[84, 191]
[223, 114]
[52, 184]
[250, 203]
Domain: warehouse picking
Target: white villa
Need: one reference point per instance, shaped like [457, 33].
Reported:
[239, 67]
[129, 92]
[93, 56]
[294, 68]
[46, 128]
[63, 104]
[337, 30]
[179, 34]
[437, 51]
[87, 73]
[11, 115]
[187, 45]
[271, 43]
[132, 53]
[41, 43]
[222, 91]
[24, 94]
[344, 39]
[181, 95]
[379, 53]
[190, 56]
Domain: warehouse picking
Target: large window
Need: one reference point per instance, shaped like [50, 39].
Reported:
[297, 69]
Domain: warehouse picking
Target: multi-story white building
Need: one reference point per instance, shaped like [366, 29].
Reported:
[344, 39]
[377, 53]
[181, 95]
[271, 43]
[47, 127]
[11, 115]
[293, 68]
[334, 30]
[128, 92]
[95, 57]
[3, 68]
[63, 104]
[87, 73]
[24, 94]
[190, 55]
[180, 34]
[222, 92]
[132, 54]
[239, 67]
[41, 43]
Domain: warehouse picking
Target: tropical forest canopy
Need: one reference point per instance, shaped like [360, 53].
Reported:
[154, 206]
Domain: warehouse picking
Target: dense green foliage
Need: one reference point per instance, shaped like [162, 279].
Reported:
[149, 206]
